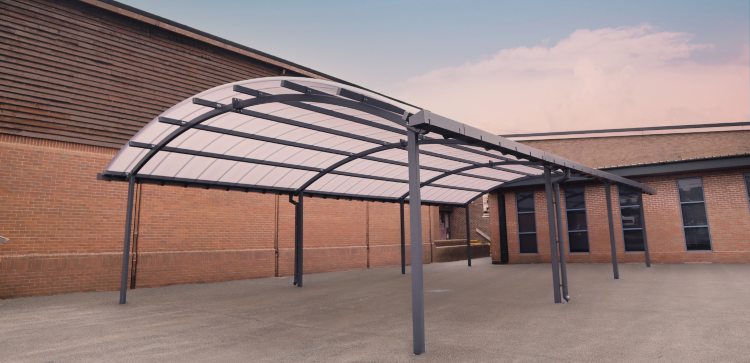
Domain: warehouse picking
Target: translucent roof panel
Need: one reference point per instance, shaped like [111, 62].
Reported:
[295, 135]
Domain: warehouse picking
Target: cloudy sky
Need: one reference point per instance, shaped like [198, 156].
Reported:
[511, 66]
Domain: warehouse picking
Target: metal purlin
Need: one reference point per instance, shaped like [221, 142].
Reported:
[239, 105]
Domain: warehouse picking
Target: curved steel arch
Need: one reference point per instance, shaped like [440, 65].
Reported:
[460, 170]
[262, 98]
[238, 105]
[362, 154]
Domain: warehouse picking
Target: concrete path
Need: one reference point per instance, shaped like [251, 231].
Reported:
[676, 313]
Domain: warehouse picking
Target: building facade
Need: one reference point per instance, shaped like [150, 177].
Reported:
[700, 212]
[78, 80]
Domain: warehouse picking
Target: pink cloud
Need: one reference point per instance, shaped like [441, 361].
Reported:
[602, 78]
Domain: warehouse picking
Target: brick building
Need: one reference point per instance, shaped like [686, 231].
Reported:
[77, 80]
[700, 211]
[80, 78]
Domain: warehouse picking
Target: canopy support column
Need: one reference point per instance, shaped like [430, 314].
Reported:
[646, 255]
[126, 243]
[504, 257]
[561, 244]
[298, 240]
[415, 230]
[403, 239]
[468, 237]
[612, 245]
[552, 225]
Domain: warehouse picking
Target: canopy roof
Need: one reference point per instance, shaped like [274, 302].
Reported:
[301, 135]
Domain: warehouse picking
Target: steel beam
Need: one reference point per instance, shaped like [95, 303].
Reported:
[458, 171]
[429, 122]
[468, 237]
[321, 172]
[398, 112]
[646, 254]
[403, 238]
[415, 229]
[553, 246]
[298, 238]
[612, 244]
[561, 245]
[126, 243]
[322, 97]
[245, 135]
[503, 238]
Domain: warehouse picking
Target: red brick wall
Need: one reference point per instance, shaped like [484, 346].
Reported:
[66, 228]
[726, 205]
[476, 220]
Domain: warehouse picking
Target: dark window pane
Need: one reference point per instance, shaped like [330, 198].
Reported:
[694, 214]
[634, 240]
[528, 242]
[579, 241]
[525, 202]
[574, 198]
[526, 222]
[691, 190]
[697, 239]
[629, 196]
[576, 220]
[631, 217]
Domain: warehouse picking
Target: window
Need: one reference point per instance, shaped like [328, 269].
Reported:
[631, 215]
[747, 186]
[694, 218]
[575, 208]
[526, 222]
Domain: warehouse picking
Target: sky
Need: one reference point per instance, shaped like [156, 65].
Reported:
[510, 66]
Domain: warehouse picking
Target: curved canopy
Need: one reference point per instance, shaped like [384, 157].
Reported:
[301, 135]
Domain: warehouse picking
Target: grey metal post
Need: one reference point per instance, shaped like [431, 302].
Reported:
[298, 240]
[646, 254]
[468, 237]
[612, 245]
[126, 243]
[415, 229]
[553, 248]
[501, 215]
[561, 245]
[403, 239]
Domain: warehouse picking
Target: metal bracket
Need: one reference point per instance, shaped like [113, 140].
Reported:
[236, 104]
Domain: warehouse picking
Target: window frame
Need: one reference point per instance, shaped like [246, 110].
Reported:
[642, 215]
[585, 216]
[707, 226]
[518, 222]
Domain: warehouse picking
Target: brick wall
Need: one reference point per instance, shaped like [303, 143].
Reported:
[726, 205]
[476, 220]
[66, 228]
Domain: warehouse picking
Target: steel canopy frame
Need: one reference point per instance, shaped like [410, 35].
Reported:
[365, 124]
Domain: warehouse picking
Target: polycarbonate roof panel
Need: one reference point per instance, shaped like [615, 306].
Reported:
[289, 134]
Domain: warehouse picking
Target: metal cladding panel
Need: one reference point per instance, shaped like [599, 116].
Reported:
[307, 135]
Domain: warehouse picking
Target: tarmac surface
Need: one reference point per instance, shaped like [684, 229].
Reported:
[670, 313]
